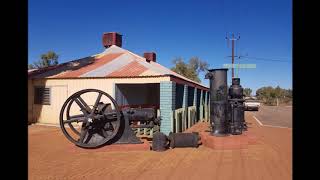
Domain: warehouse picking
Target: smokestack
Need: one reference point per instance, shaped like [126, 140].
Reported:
[218, 101]
[150, 56]
[111, 38]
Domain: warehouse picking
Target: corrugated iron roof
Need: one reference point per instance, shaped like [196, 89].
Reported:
[113, 62]
[132, 69]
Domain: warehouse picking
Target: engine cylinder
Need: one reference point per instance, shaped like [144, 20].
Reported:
[159, 142]
[184, 139]
[140, 114]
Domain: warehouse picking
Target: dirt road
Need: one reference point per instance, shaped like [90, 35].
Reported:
[52, 156]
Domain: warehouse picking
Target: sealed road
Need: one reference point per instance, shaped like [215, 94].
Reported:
[274, 116]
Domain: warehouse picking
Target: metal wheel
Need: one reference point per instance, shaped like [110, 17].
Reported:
[90, 118]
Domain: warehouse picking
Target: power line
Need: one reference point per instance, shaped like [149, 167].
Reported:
[264, 59]
[259, 59]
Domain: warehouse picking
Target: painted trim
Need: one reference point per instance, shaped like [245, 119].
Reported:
[172, 78]
[113, 77]
[260, 123]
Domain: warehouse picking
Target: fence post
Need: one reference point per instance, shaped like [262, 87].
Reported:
[185, 106]
[189, 117]
[201, 105]
[195, 104]
[206, 106]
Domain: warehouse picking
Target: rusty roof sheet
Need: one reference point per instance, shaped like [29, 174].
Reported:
[113, 62]
[97, 62]
[132, 69]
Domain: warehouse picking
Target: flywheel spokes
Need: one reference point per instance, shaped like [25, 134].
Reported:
[90, 118]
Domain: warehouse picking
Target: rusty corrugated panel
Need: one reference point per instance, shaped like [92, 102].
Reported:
[97, 62]
[132, 69]
[113, 77]
[188, 82]
[42, 70]
[108, 68]
[149, 73]
[114, 62]
[168, 71]
[113, 49]
[153, 67]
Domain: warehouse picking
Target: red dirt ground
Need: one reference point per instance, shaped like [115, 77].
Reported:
[52, 157]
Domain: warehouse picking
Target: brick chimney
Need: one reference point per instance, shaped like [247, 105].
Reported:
[111, 38]
[150, 56]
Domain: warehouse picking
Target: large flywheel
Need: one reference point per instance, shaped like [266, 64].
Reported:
[90, 118]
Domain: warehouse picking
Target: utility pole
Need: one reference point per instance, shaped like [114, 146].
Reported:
[232, 39]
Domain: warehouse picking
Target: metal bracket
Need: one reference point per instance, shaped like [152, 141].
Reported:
[128, 136]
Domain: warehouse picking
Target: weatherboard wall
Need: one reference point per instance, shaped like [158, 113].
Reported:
[61, 89]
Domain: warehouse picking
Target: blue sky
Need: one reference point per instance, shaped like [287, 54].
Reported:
[172, 29]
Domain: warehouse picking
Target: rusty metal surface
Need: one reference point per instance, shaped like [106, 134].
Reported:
[112, 38]
[113, 62]
[150, 56]
[131, 69]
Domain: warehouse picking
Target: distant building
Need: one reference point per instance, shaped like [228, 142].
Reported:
[132, 80]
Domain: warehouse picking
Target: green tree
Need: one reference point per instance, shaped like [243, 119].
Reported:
[266, 94]
[279, 94]
[48, 59]
[247, 91]
[274, 96]
[191, 69]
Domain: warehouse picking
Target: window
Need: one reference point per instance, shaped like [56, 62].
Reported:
[42, 95]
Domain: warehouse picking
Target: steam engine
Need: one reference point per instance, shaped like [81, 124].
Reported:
[226, 104]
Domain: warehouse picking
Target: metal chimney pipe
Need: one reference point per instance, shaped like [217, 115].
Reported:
[218, 101]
